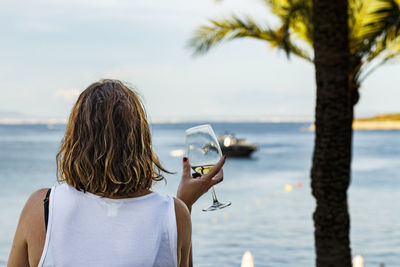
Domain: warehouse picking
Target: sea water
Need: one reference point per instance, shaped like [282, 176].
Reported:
[272, 205]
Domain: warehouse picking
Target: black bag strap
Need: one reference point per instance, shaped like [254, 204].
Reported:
[46, 208]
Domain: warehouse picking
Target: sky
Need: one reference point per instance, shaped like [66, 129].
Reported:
[51, 50]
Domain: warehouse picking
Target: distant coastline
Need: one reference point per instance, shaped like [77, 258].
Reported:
[19, 121]
[380, 122]
[383, 122]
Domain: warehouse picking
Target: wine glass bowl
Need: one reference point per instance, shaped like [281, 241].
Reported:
[204, 153]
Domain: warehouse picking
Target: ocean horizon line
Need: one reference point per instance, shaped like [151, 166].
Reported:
[36, 121]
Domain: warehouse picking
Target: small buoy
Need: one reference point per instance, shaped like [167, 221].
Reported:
[247, 260]
[358, 261]
[299, 184]
[288, 188]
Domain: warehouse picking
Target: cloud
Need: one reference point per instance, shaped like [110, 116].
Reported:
[67, 95]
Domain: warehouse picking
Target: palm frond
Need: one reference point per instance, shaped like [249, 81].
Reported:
[382, 18]
[375, 36]
[383, 53]
[296, 15]
[393, 44]
[357, 17]
[208, 36]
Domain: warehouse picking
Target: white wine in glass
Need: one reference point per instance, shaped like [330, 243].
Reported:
[204, 153]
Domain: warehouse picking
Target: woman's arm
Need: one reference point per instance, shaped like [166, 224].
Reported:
[184, 227]
[19, 250]
[30, 230]
[189, 191]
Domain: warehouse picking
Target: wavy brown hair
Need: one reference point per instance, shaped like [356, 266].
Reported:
[107, 146]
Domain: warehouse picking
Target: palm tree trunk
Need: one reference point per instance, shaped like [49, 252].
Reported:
[330, 174]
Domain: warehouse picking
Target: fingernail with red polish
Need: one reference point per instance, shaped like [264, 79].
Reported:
[185, 159]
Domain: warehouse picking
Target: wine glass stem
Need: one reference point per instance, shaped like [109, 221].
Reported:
[214, 195]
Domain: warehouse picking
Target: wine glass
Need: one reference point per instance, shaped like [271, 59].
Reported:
[204, 153]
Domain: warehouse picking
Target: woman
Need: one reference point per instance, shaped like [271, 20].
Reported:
[103, 212]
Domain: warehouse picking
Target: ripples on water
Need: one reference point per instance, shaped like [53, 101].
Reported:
[273, 223]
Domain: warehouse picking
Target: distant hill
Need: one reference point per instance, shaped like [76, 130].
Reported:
[383, 122]
[379, 122]
[382, 117]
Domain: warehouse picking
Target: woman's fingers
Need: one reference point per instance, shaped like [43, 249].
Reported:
[216, 169]
[186, 168]
[217, 178]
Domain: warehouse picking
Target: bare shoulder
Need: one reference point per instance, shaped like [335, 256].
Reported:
[38, 195]
[35, 200]
[32, 214]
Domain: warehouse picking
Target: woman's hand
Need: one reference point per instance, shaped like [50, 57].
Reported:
[191, 189]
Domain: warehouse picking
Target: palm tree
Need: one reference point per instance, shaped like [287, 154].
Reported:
[374, 33]
[348, 46]
[330, 174]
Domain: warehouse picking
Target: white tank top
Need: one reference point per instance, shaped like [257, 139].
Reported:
[88, 230]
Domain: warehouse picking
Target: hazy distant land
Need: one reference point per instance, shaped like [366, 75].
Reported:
[380, 122]
[383, 122]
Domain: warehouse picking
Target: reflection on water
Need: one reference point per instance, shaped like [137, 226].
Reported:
[271, 211]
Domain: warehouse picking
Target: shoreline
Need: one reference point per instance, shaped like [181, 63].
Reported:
[7, 121]
[378, 123]
[372, 125]
[383, 122]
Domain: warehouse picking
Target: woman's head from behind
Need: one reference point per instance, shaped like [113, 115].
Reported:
[107, 145]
